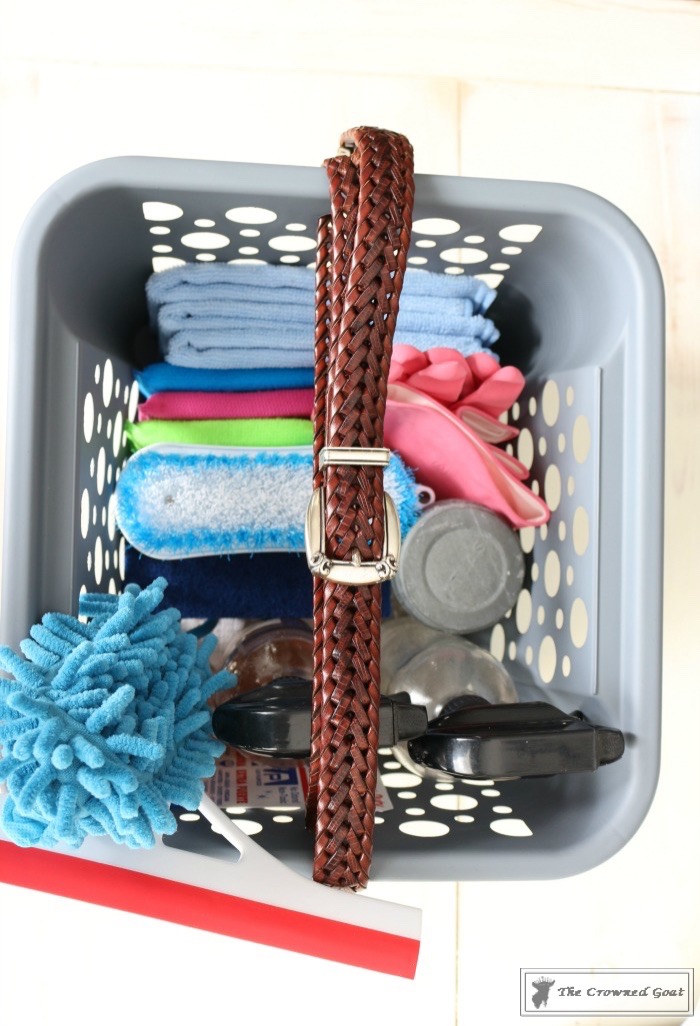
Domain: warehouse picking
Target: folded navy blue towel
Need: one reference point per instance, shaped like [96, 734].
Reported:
[264, 586]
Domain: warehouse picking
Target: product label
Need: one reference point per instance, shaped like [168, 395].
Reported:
[258, 783]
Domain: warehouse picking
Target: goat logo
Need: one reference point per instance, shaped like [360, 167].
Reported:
[542, 989]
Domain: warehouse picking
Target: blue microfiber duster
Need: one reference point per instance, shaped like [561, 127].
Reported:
[105, 724]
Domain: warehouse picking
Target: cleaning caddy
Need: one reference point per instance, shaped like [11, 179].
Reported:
[579, 308]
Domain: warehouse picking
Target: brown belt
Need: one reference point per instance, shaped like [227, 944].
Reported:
[352, 531]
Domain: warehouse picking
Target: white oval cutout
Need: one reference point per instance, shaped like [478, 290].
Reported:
[435, 226]
[402, 780]
[511, 827]
[205, 240]
[164, 263]
[292, 243]
[464, 255]
[424, 828]
[88, 416]
[154, 210]
[251, 215]
[492, 280]
[248, 826]
[454, 802]
[85, 513]
[520, 232]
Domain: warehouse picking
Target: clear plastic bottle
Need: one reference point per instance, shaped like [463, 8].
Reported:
[447, 668]
[263, 651]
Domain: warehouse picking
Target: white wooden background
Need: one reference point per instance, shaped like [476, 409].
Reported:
[603, 94]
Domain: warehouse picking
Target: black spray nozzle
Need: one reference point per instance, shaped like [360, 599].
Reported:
[524, 739]
[275, 720]
[470, 738]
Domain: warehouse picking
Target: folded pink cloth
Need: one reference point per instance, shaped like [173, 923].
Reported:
[288, 402]
[451, 458]
[475, 388]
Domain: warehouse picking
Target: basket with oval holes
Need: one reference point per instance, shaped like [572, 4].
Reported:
[580, 311]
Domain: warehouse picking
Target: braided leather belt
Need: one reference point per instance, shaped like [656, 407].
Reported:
[352, 531]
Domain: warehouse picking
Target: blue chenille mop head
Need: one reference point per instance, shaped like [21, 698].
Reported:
[106, 724]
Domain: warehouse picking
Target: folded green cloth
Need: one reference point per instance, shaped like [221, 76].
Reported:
[264, 431]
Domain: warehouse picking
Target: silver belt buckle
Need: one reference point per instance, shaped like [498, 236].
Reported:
[354, 572]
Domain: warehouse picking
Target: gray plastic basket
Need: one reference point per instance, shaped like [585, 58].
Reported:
[580, 308]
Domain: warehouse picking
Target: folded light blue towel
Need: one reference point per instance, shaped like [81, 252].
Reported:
[178, 501]
[229, 349]
[231, 282]
[276, 345]
[205, 314]
[226, 316]
[166, 377]
[270, 322]
[292, 286]
[234, 347]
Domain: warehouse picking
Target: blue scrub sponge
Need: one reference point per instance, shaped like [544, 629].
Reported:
[181, 501]
[105, 724]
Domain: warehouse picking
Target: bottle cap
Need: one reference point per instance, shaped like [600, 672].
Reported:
[461, 568]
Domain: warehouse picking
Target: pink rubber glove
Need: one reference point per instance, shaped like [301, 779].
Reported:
[476, 388]
[450, 456]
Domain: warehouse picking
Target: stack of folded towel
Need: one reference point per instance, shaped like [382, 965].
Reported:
[238, 340]
[223, 316]
[225, 429]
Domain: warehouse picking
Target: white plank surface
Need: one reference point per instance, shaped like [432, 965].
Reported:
[599, 139]
[617, 43]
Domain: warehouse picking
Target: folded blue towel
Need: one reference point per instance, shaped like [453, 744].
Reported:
[166, 377]
[231, 282]
[290, 286]
[227, 316]
[233, 347]
[264, 586]
[181, 501]
[270, 325]
[205, 314]
[236, 348]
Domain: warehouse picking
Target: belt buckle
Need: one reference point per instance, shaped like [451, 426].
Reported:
[354, 572]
